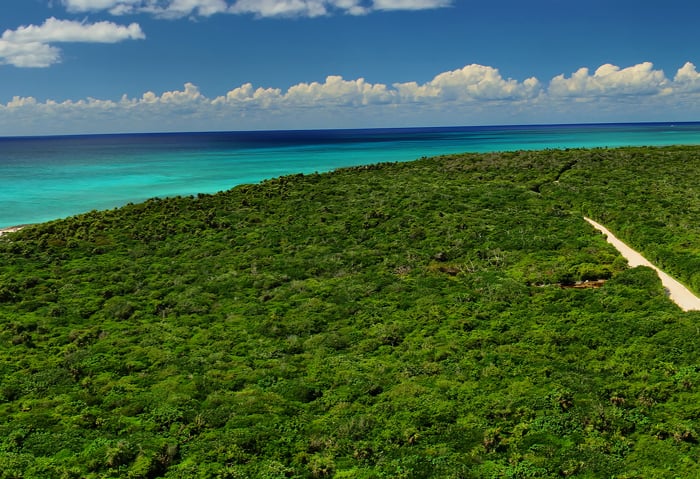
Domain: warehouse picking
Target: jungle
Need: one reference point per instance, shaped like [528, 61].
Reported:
[449, 317]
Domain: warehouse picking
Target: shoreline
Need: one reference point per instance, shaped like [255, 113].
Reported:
[677, 292]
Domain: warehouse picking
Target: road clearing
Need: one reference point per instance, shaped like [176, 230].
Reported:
[678, 293]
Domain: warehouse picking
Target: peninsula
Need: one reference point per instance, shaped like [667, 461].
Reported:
[390, 320]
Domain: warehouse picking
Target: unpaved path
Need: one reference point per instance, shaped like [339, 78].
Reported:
[678, 293]
[10, 230]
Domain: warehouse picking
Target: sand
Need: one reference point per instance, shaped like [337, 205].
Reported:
[10, 230]
[678, 293]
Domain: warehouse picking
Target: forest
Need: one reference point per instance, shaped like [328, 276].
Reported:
[398, 320]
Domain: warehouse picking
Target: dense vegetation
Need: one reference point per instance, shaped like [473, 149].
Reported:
[403, 320]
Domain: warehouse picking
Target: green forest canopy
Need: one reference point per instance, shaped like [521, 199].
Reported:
[405, 320]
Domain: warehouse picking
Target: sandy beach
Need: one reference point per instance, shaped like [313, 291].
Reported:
[678, 293]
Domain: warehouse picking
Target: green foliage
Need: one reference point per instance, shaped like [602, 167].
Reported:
[396, 320]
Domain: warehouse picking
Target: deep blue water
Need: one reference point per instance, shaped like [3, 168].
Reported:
[44, 178]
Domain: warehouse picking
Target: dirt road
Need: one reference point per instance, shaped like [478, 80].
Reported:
[678, 293]
[10, 230]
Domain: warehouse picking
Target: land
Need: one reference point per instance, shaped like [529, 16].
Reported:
[393, 320]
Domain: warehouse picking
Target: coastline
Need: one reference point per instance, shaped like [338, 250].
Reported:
[135, 167]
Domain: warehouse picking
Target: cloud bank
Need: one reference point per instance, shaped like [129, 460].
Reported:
[474, 94]
[32, 45]
[259, 8]
[611, 80]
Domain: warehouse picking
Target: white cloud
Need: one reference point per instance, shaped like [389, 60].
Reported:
[179, 8]
[19, 102]
[478, 82]
[281, 8]
[410, 4]
[337, 91]
[352, 7]
[94, 5]
[31, 45]
[473, 83]
[148, 98]
[204, 7]
[610, 80]
[687, 78]
[317, 8]
[161, 8]
[189, 94]
[54, 30]
[469, 84]
[475, 94]
[259, 8]
[27, 55]
[248, 95]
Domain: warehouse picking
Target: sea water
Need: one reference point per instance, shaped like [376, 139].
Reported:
[45, 178]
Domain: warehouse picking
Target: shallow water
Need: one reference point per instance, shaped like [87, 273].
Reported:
[44, 178]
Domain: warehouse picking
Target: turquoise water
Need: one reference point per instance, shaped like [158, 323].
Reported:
[45, 178]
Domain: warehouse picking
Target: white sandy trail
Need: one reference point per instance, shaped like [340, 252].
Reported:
[10, 230]
[678, 293]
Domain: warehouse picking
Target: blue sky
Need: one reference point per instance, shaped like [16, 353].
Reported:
[92, 66]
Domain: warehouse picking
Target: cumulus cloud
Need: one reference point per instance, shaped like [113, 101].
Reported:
[259, 8]
[337, 91]
[25, 55]
[469, 84]
[31, 45]
[687, 78]
[19, 102]
[248, 95]
[474, 94]
[479, 82]
[473, 83]
[610, 80]
[189, 94]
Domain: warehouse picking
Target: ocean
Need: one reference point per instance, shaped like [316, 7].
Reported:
[46, 178]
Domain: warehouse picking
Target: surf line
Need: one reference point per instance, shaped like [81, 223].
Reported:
[678, 293]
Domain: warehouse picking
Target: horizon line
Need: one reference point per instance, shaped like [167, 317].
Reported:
[307, 130]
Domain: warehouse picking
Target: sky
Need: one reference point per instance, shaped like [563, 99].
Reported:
[115, 66]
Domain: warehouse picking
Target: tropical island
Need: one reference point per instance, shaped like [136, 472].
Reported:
[398, 320]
